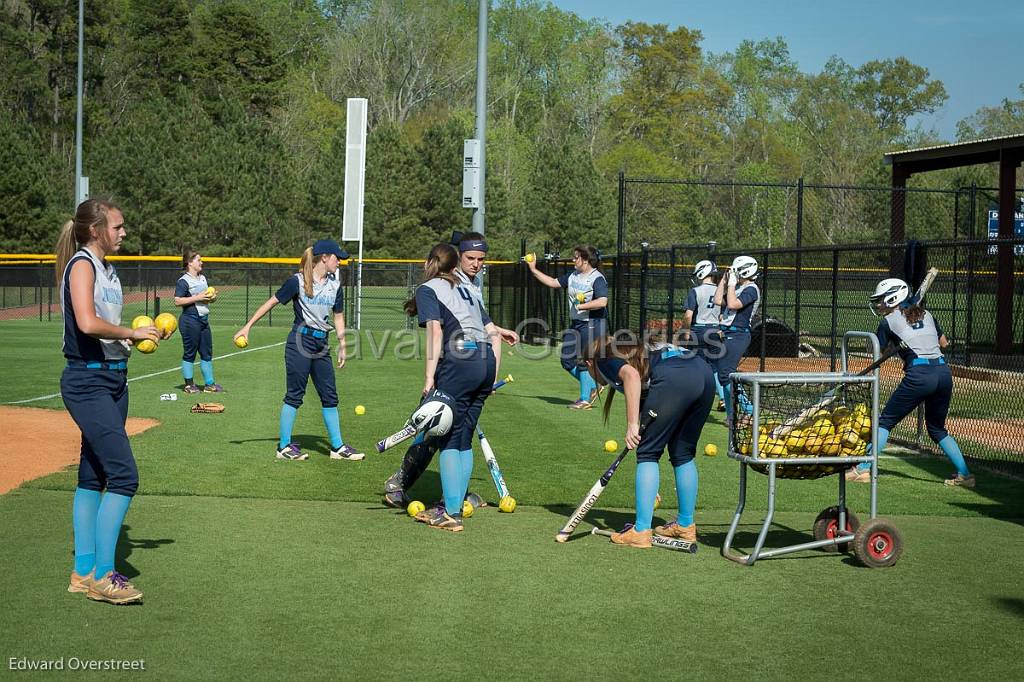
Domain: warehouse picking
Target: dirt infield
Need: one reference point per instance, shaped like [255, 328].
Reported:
[998, 435]
[47, 441]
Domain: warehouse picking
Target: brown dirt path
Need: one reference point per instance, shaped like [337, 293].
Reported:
[45, 441]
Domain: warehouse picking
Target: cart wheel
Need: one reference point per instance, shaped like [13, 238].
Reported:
[826, 527]
[878, 544]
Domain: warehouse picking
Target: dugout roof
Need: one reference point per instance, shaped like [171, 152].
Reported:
[1008, 152]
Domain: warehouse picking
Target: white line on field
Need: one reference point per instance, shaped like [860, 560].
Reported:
[153, 374]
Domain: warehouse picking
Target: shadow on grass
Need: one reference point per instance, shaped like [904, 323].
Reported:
[550, 399]
[126, 545]
[1011, 605]
[995, 497]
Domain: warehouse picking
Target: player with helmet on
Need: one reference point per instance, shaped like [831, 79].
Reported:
[701, 320]
[472, 255]
[927, 378]
[461, 362]
[740, 298]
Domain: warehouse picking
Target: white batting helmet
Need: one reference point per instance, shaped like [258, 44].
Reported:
[704, 269]
[434, 416]
[745, 267]
[890, 293]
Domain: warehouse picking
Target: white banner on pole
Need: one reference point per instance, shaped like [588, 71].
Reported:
[355, 177]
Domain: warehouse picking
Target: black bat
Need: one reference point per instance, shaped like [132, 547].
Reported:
[659, 541]
[595, 491]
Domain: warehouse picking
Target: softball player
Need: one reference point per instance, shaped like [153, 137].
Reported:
[587, 291]
[679, 385]
[927, 378]
[739, 298]
[472, 256]
[94, 388]
[316, 296]
[190, 295]
[700, 320]
[462, 362]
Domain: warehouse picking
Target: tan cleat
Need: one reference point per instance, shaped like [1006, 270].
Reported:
[114, 588]
[674, 530]
[633, 538]
[80, 583]
[856, 475]
[957, 481]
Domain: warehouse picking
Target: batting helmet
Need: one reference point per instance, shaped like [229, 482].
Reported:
[889, 293]
[745, 267]
[704, 269]
[434, 416]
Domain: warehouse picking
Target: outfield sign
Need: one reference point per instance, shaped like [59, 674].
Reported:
[1018, 231]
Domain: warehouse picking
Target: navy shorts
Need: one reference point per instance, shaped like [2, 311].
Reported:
[196, 336]
[682, 391]
[577, 338]
[306, 357]
[98, 402]
[928, 384]
[468, 377]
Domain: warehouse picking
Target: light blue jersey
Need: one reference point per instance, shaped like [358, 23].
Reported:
[459, 310]
[107, 303]
[750, 296]
[701, 301]
[591, 285]
[189, 286]
[316, 311]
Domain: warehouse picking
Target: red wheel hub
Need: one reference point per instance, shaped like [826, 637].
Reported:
[833, 528]
[880, 545]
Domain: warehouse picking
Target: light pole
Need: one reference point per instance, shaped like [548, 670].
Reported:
[81, 184]
[481, 110]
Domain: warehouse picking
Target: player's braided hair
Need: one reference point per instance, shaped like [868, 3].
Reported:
[91, 213]
[441, 262]
[625, 346]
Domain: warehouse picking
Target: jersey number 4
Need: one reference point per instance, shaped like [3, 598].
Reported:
[466, 295]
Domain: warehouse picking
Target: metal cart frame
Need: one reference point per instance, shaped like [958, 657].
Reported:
[754, 381]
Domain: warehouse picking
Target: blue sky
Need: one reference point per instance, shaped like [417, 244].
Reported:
[975, 48]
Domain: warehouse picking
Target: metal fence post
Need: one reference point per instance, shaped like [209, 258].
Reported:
[670, 334]
[270, 292]
[764, 310]
[39, 291]
[620, 247]
[643, 288]
[799, 256]
[835, 307]
[973, 216]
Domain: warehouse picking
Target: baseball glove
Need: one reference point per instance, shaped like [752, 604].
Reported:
[207, 408]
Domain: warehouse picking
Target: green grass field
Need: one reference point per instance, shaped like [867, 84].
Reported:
[254, 566]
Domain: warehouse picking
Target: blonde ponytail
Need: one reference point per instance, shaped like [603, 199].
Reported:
[64, 250]
[306, 267]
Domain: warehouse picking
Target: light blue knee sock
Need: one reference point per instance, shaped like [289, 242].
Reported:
[745, 405]
[686, 489]
[206, 367]
[883, 438]
[727, 397]
[587, 384]
[451, 480]
[287, 422]
[109, 518]
[466, 464]
[187, 370]
[952, 450]
[719, 389]
[333, 424]
[647, 480]
[83, 518]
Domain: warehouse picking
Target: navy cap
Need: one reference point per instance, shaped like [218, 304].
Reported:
[325, 246]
